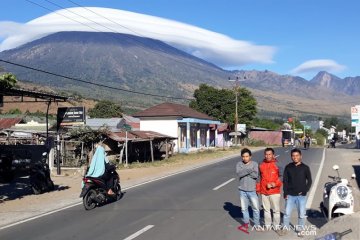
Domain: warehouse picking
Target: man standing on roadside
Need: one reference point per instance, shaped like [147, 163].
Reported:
[269, 188]
[297, 182]
[248, 172]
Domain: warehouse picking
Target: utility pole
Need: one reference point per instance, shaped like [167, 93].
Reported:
[236, 113]
[237, 80]
[126, 147]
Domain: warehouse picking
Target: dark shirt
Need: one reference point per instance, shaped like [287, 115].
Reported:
[296, 179]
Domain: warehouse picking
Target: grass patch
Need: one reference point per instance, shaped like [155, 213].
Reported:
[180, 158]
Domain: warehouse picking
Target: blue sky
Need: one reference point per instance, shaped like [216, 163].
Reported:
[305, 36]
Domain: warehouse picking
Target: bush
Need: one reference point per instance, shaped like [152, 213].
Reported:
[320, 139]
[254, 142]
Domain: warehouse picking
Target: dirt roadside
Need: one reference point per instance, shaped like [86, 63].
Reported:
[20, 203]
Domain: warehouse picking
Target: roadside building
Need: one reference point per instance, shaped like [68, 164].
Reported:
[315, 125]
[269, 137]
[10, 122]
[223, 137]
[192, 129]
[113, 124]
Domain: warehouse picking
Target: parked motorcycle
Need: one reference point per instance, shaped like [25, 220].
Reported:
[337, 196]
[334, 235]
[40, 179]
[95, 193]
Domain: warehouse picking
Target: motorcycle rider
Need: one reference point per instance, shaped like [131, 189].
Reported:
[307, 141]
[98, 167]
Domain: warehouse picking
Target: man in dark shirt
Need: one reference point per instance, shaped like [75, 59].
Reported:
[296, 183]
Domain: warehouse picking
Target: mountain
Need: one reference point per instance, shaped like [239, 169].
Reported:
[148, 65]
[348, 85]
[118, 60]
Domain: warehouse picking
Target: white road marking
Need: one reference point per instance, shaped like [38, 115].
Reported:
[314, 186]
[221, 185]
[39, 216]
[138, 233]
[130, 187]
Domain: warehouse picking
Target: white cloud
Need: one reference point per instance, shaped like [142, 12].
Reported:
[318, 65]
[211, 46]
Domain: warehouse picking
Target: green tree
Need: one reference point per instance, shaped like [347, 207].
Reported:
[105, 109]
[333, 121]
[340, 124]
[322, 132]
[87, 135]
[8, 80]
[267, 123]
[220, 104]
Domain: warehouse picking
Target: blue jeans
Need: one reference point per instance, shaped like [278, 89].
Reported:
[300, 203]
[245, 197]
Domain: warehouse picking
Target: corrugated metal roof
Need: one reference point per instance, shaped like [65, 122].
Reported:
[137, 136]
[9, 122]
[112, 123]
[223, 127]
[130, 119]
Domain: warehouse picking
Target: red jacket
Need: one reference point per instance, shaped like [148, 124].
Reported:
[269, 172]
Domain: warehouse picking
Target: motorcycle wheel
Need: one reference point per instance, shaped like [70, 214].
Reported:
[118, 192]
[36, 185]
[50, 185]
[36, 190]
[88, 201]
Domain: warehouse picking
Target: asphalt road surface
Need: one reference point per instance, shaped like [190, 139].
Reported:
[198, 204]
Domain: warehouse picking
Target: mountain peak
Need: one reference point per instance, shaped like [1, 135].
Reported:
[325, 79]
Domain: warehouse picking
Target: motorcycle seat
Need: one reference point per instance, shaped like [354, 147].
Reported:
[328, 186]
[96, 179]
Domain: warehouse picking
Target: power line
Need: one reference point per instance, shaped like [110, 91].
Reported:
[88, 82]
[63, 15]
[110, 20]
[138, 34]
[159, 51]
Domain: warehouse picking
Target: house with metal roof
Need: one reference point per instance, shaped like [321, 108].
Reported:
[192, 129]
[9, 122]
[114, 124]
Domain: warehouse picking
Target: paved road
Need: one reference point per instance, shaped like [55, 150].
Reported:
[184, 206]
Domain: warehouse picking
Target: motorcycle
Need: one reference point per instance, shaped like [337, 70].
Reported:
[334, 235]
[337, 196]
[332, 144]
[95, 193]
[40, 179]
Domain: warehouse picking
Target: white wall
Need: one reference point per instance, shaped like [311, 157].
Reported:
[165, 126]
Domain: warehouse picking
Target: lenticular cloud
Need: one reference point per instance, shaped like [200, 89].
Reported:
[211, 46]
[317, 65]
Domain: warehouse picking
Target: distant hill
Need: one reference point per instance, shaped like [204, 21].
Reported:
[12, 103]
[151, 66]
[348, 85]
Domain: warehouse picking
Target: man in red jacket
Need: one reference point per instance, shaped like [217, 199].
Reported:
[269, 188]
